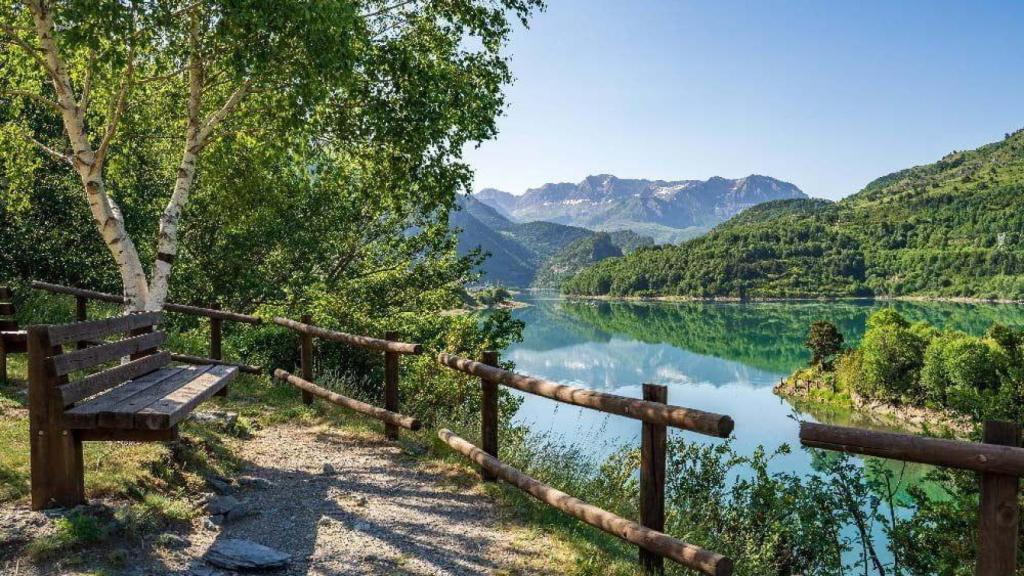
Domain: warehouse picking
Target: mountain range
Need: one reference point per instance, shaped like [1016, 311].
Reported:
[539, 254]
[950, 229]
[668, 211]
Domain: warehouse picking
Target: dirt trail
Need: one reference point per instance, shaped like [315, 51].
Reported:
[376, 511]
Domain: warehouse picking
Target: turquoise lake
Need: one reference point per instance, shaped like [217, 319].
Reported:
[718, 357]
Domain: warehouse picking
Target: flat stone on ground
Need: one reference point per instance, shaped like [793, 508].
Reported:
[233, 554]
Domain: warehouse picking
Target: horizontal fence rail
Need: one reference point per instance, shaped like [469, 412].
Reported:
[351, 339]
[708, 423]
[935, 451]
[386, 416]
[659, 543]
[169, 307]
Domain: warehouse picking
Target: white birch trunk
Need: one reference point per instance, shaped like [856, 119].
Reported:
[104, 210]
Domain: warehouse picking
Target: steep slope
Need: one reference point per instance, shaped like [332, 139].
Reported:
[954, 228]
[670, 211]
[517, 251]
[576, 257]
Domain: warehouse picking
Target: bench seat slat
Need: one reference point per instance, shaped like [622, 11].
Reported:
[96, 383]
[86, 414]
[122, 414]
[6, 293]
[99, 329]
[6, 309]
[92, 356]
[175, 407]
[8, 325]
[15, 342]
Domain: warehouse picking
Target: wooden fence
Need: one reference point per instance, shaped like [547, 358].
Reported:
[392, 350]
[998, 460]
[655, 414]
[216, 317]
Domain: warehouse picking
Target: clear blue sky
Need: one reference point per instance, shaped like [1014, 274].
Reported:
[826, 94]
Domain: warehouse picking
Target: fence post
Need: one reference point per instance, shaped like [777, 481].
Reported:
[81, 315]
[391, 385]
[306, 354]
[489, 413]
[997, 517]
[216, 336]
[652, 480]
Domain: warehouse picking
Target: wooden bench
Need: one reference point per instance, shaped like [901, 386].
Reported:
[12, 340]
[141, 400]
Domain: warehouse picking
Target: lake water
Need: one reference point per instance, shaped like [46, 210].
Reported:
[719, 357]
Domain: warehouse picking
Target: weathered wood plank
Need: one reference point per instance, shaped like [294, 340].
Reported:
[56, 455]
[100, 329]
[189, 359]
[169, 307]
[668, 415]
[6, 309]
[95, 355]
[381, 414]
[174, 407]
[122, 414]
[15, 342]
[125, 435]
[8, 325]
[352, 339]
[6, 293]
[686, 554]
[85, 415]
[653, 444]
[96, 383]
[992, 458]
[999, 510]
[489, 414]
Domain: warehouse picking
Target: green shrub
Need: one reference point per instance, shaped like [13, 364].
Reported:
[957, 369]
[892, 358]
[850, 370]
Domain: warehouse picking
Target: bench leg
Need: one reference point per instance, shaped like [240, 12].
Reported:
[56, 453]
[58, 474]
[3, 365]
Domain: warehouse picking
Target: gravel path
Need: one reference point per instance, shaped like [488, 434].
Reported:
[379, 512]
[376, 510]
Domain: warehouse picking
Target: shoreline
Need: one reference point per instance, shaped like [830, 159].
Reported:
[781, 299]
[815, 395]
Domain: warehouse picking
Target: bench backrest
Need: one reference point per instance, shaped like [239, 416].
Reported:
[7, 321]
[136, 338]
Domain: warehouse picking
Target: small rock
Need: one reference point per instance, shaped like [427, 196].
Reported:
[254, 482]
[329, 469]
[239, 512]
[172, 541]
[220, 485]
[362, 526]
[212, 525]
[232, 554]
[226, 419]
[221, 505]
[361, 500]
[204, 571]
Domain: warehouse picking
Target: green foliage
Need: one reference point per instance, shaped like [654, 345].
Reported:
[825, 343]
[948, 229]
[492, 295]
[75, 529]
[892, 357]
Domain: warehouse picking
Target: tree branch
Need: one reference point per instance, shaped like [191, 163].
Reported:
[33, 52]
[83, 103]
[117, 108]
[34, 96]
[229, 106]
[58, 156]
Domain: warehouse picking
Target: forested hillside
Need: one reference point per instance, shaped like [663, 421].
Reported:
[954, 228]
[516, 251]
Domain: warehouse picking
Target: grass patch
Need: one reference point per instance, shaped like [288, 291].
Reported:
[70, 532]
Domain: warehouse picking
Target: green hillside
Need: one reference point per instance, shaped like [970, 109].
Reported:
[954, 228]
[515, 252]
